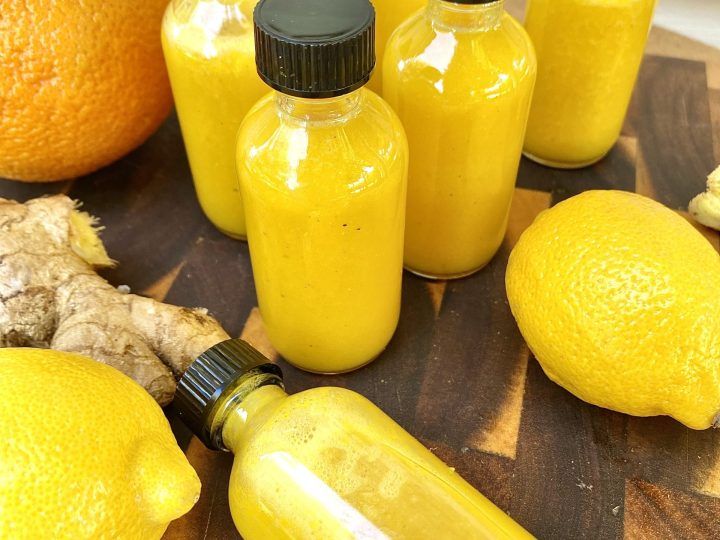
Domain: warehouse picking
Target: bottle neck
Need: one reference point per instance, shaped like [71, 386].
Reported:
[466, 17]
[329, 110]
[245, 408]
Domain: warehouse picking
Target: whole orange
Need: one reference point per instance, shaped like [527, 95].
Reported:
[81, 84]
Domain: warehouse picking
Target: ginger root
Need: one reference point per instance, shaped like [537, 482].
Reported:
[705, 208]
[50, 296]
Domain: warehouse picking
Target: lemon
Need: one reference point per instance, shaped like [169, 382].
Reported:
[618, 297]
[85, 452]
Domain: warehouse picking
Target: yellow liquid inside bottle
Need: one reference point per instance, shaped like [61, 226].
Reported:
[210, 55]
[461, 78]
[323, 183]
[589, 54]
[327, 463]
[389, 14]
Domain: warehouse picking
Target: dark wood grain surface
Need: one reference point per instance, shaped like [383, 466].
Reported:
[457, 374]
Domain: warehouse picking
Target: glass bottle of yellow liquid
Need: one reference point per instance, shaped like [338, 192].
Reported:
[460, 76]
[325, 463]
[389, 15]
[323, 166]
[210, 56]
[589, 54]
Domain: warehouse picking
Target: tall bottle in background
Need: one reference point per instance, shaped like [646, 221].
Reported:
[460, 76]
[389, 14]
[325, 463]
[323, 170]
[210, 55]
[589, 54]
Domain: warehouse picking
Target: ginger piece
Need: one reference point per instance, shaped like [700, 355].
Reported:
[705, 208]
[51, 297]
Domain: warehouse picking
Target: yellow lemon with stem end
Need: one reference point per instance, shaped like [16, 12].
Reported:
[85, 452]
[618, 297]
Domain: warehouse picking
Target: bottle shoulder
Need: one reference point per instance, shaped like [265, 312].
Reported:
[460, 63]
[321, 404]
[311, 423]
[516, 32]
[315, 420]
[362, 148]
[372, 115]
[209, 28]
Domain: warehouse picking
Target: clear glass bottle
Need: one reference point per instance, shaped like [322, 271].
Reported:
[390, 14]
[323, 165]
[210, 55]
[325, 463]
[460, 76]
[589, 55]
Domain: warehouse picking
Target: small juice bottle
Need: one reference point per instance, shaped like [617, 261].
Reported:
[323, 165]
[325, 463]
[589, 54]
[389, 15]
[460, 76]
[210, 56]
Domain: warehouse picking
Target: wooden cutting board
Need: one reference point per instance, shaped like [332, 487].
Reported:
[458, 375]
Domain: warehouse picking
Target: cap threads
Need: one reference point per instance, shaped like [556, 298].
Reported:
[315, 49]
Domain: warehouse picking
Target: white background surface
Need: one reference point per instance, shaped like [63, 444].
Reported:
[696, 19]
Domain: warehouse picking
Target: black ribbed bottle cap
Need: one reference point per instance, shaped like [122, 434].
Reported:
[315, 48]
[207, 379]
